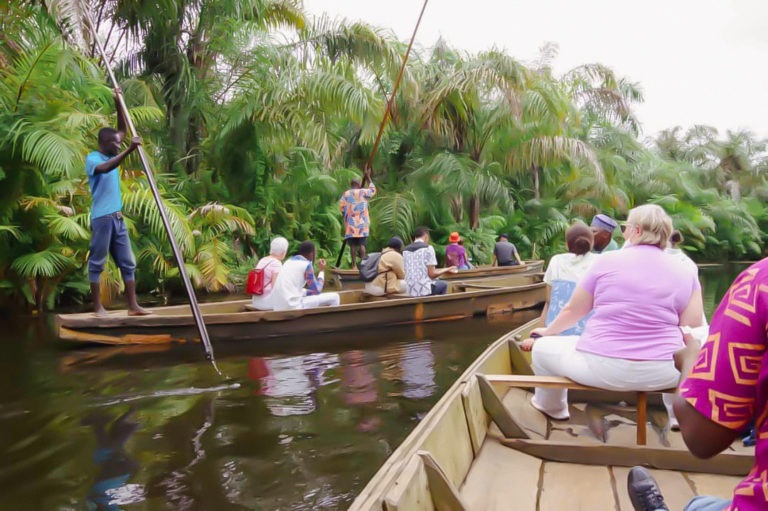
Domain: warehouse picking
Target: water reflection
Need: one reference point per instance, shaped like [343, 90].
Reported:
[290, 383]
[110, 490]
[311, 422]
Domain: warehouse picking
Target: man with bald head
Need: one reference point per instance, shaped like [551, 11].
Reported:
[602, 228]
[354, 207]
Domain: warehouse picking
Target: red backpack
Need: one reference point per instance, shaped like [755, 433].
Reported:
[255, 283]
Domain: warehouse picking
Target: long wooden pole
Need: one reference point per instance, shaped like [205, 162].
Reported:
[387, 112]
[206, 341]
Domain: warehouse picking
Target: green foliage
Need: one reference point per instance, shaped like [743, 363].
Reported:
[257, 118]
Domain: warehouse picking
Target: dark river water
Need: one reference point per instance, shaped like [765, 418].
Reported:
[288, 428]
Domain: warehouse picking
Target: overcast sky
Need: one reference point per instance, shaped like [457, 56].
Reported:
[697, 61]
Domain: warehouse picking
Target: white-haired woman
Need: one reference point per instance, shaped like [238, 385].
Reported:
[271, 264]
[640, 300]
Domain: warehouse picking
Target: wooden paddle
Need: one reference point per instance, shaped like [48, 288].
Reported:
[206, 342]
[387, 114]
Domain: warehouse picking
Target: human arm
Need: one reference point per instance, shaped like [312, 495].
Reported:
[436, 272]
[114, 162]
[121, 122]
[719, 395]
[578, 306]
[398, 267]
[315, 284]
[694, 311]
[703, 437]
[519, 261]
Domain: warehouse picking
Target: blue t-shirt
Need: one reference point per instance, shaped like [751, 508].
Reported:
[105, 187]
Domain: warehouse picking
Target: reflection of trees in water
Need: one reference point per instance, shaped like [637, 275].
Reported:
[715, 281]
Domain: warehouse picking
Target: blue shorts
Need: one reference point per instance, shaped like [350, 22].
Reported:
[109, 236]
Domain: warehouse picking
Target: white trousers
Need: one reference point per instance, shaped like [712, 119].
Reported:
[557, 356]
[321, 300]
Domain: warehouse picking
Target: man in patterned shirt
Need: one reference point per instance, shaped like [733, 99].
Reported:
[354, 207]
[726, 389]
[420, 263]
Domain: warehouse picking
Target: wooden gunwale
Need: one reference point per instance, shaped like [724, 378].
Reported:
[350, 279]
[232, 320]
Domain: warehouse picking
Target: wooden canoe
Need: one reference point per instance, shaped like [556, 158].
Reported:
[457, 457]
[350, 279]
[232, 320]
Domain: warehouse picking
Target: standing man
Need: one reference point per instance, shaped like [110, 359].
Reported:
[603, 227]
[420, 264]
[354, 207]
[108, 233]
[505, 253]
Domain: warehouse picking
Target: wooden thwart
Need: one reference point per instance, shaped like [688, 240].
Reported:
[522, 381]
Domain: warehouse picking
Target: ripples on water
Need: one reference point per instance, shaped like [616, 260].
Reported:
[110, 428]
[302, 424]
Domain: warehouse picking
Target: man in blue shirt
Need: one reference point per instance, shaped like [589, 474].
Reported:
[109, 235]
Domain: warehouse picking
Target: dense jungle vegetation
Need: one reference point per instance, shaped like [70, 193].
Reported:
[256, 115]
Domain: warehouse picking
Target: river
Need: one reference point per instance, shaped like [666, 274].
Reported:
[157, 428]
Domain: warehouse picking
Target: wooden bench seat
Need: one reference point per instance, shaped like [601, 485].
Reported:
[528, 381]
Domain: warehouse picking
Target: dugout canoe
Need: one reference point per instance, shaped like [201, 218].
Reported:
[233, 320]
[350, 279]
[457, 458]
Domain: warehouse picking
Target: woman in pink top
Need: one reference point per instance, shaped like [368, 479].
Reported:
[640, 297]
[272, 264]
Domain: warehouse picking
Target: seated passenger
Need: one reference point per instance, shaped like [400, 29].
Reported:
[420, 263]
[289, 290]
[391, 274]
[603, 227]
[640, 300]
[564, 272]
[455, 253]
[674, 250]
[271, 264]
[505, 253]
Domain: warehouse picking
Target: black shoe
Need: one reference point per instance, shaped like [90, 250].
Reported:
[644, 492]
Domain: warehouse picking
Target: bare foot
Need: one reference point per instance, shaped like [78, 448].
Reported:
[100, 311]
[138, 311]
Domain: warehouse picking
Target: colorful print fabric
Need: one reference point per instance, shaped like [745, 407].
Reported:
[354, 207]
[729, 383]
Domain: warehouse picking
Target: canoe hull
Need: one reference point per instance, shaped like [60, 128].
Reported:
[350, 279]
[230, 320]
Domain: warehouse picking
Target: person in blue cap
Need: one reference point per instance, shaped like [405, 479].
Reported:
[603, 227]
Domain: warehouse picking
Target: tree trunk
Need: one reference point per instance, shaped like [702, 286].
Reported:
[474, 212]
[536, 184]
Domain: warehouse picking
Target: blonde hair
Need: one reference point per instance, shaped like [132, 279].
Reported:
[655, 223]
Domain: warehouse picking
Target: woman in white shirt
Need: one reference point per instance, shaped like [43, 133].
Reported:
[564, 272]
[271, 264]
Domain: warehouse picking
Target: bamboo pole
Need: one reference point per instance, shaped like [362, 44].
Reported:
[206, 341]
[387, 113]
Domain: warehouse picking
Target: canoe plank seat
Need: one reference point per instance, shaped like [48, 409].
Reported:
[495, 408]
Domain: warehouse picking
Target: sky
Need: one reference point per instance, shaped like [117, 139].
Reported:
[697, 61]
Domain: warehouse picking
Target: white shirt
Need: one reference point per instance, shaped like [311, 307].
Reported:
[570, 267]
[416, 272]
[289, 286]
